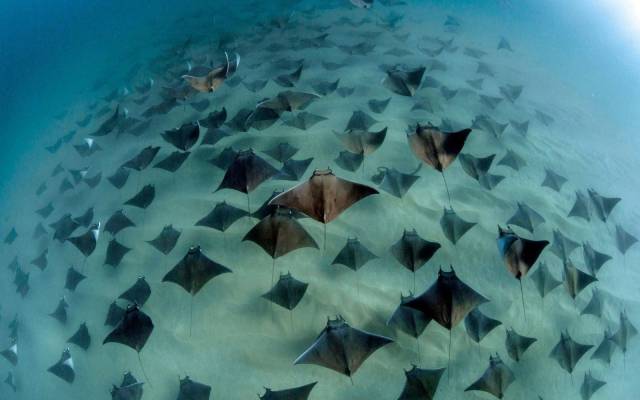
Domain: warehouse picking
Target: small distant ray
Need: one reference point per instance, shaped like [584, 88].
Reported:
[54, 147]
[626, 331]
[402, 81]
[81, 337]
[143, 198]
[430, 82]
[41, 260]
[304, 120]
[215, 119]
[192, 390]
[593, 260]
[93, 181]
[378, 106]
[479, 325]
[222, 216]
[360, 121]
[342, 348]
[87, 147]
[281, 152]
[138, 293]
[567, 352]
[166, 239]
[606, 348]
[224, 158]
[114, 314]
[478, 169]
[214, 78]
[117, 222]
[489, 125]
[595, 305]
[246, 172]
[163, 107]
[412, 251]
[142, 159]
[85, 219]
[475, 83]
[64, 368]
[287, 292]
[490, 101]
[256, 85]
[331, 66]
[590, 385]
[293, 170]
[447, 93]
[504, 44]
[526, 218]
[624, 240]
[296, 393]
[291, 79]
[213, 136]
[11, 382]
[173, 161]
[360, 49]
[562, 246]
[512, 160]
[11, 353]
[58, 169]
[344, 91]
[421, 383]
[21, 280]
[43, 212]
[395, 182]
[575, 280]
[484, 69]
[354, 255]
[289, 100]
[435, 65]
[11, 236]
[41, 189]
[325, 88]
[109, 124]
[78, 174]
[200, 105]
[602, 206]
[474, 53]
[349, 161]
[60, 312]
[183, 137]
[453, 226]
[119, 178]
[521, 127]
[517, 344]
[545, 119]
[407, 319]
[115, 253]
[580, 207]
[511, 92]
[496, 378]
[73, 279]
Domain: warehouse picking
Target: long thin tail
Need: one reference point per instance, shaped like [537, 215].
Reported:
[524, 310]
[449, 362]
[143, 370]
[446, 186]
[190, 315]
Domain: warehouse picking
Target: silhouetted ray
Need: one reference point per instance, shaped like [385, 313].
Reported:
[567, 352]
[360, 121]
[479, 325]
[11, 236]
[553, 180]
[213, 136]
[402, 81]
[354, 255]
[166, 240]
[488, 124]
[41, 189]
[412, 251]
[21, 280]
[139, 129]
[45, 211]
[436, 148]
[526, 218]
[224, 159]
[130, 389]
[345, 91]
[242, 120]
[289, 80]
[256, 85]
[407, 319]
[325, 88]
[453, 226]
[200, 105]
[163, 107]
[142, 159]
[349, 161]
[296, 393]
[184, 137]
[14, 264]
[65, 185]
[594, 260]
[447, 93]
[57, 170]
[73, 279]
[287, 292]
[304, 120]
[478, 169]
[85, 219]
[143, 198]
[215, 77]
[342, 348]
[602, 206]
[81, 337]
[421, 384]
[360, 49]
[41, 260]
[590, 385]
[511, 92]
[10, 380]
[512, 160]
[595, 305]
[395, 182]
[544, 280]
[545, 119]
[624, 240]
[93, 181]
[86, 242]
[475, 83]
[626, 331]
[194, 271]
[378, 106]
[39, 231]
[119, 178]
[484, 69]
[281, 152]
[138, 293]
[324, 196]
[575, 280]
[109, 124]
[562, 245]
[54, 147]
[490, 101]
[133, 330]
[580, 207]
[222, 216]
[606, 348]
[293, 170]
[115, 253]
[173, 161]
[64, 368]
[517, 344]
[192, 390]
[215, 119]
[117, 222]
[246, 172]
[60, 313]
[362, 141]
[11, 354]
[114, 315]
[289, 101]
[503, 44]
[87, 148]
[495, 380]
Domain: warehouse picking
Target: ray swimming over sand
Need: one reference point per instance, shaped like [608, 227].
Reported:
[129, 389]
[296, 393]
[287, 292]
[73, 279]
[479, 325]
[81, 337]
[495, 380]
[192, 390]
[567, 352]
[166, 239]
[517, 344]
[183, 137]
[575, 281]
[453, 226]
[222, 216]
[402, 81]
[64, 368]
[143, 198]
[544, 280]
[115, 253]
[421, 383]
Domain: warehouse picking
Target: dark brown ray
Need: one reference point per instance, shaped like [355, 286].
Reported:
[495, 380]
[166, 239]
[287, 292]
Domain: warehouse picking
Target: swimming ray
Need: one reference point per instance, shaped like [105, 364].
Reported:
[595, 305]
[142, 159]
[133, 330]
[192, 390]
[345, 91]
[213, 136]
[266, 208]
[521, 127]
[407, 319]
[72, 279]
[86, 242]
[117, 222]
[10, 380]
[86, 218]
[395, 182]
[490, 101]
[138, 293]
[349, 161]
[580, 207]
[64, 368]
[81, 337]
[602, 206]
[544, 118]
[354, 255]
[11, 353]
[293, 170]
[553, 180]
[64, 227]
[421, 384]
[41, 261]
[567, 352]
[224, 159]
[489, 125]
[454, 227]
[287, 292]
[590, 385]
[304, 120]
[21, 280]
[222, 216]
[378, 106]
[496, 379]
[109, 124]
[606, 348]
[562, 245]
[114, 314]
[484, 69]
[479, 325]
[214, 119]
[143, 198]
[342, 348]
[511, 92]
[39, 231]
[296, 393]
[543, 279]
[575, 280]
[183, 137]
[325, 88]
[512, 160]
[478, 169]
[402, 81]
[119, 178]
[173, 161]
[624, 240]
[166, 239]
[87, 147]
[360, 121]
[129, 389]
[93, 181]
[593, 260]
[626, 331]
[65, 185]
[215, 77]
[526, 218]
[475, 83]
[60, 313]
[517, 344]
[281, 152]
[504, 44]
[256, 85]
[115, 253]
[291, 79]
[412, 251]
[362, 141]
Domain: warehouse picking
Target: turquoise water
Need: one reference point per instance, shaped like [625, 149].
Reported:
[576, 62]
